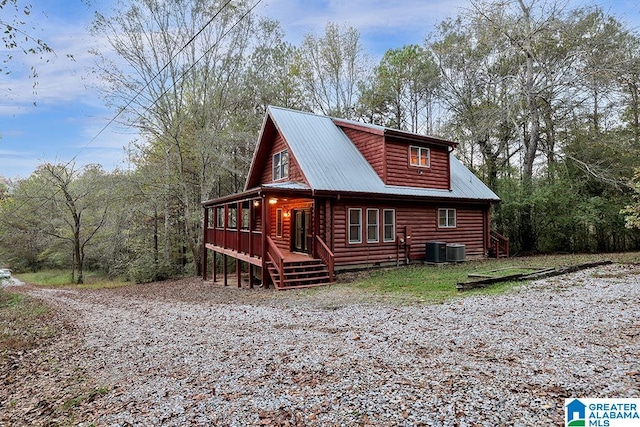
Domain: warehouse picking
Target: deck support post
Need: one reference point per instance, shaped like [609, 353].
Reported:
[251, 276]
[224, 269]
[239, 272]
[213, 267]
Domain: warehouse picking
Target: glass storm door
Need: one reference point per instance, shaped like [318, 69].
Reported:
[301, 220]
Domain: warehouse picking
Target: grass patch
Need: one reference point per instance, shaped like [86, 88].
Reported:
[437, 283]
[25, 323]
[55, 278]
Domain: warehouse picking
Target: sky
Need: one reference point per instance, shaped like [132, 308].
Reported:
[64, 119]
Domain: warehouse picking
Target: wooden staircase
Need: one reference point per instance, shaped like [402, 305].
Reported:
[299, 274]
[499, 246]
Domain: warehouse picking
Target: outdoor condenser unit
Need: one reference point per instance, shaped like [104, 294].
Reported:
[436, 252]
[455, 252]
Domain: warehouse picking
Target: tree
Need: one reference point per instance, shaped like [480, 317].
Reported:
[184, 89]
[632, 211]
[71, 207]
[17, 35]
[333, 66]
[403, 89]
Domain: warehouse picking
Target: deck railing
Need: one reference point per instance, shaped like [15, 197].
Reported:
[275, 255]
[325, 254]
[245, 241]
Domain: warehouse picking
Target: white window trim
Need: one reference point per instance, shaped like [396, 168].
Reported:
[455, 218]
[377, 225]
[351, 241]
[393, 225]
[281, 173]
[420, 150]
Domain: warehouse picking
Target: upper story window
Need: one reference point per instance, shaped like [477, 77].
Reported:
[419, 156]
[446, 218]
[281, 165]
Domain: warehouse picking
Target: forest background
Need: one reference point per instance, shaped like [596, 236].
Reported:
[544, 101]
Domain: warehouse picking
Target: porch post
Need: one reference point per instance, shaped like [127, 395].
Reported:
[265, 233]
[204, 243]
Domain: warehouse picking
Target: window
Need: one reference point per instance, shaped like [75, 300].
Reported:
[389, 219]
[373, 234]
[278, 222]
[220, 217]
[355, 225]
[419, 156]
[280, 165]
[446, 218]
[232, 222]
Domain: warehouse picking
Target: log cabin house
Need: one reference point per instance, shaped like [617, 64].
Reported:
[325, 194]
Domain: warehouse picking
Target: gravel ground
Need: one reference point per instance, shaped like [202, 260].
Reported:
[193, 353]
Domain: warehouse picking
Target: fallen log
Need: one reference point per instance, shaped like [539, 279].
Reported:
[482, 283]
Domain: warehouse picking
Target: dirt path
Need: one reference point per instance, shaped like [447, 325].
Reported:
[189, 353]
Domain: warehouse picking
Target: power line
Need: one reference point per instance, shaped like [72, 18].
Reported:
[141, 90]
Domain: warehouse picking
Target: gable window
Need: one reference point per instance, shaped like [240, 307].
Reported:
[355, 225]
[281, 165]
[446, 218]
[389, 224]
[278, 222]
[419, 156]
[373, 232]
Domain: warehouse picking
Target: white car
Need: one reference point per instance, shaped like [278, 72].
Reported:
[5, 273]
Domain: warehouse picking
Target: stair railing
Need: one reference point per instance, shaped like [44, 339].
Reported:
[325, 254]
[275, 255]
[499, 244]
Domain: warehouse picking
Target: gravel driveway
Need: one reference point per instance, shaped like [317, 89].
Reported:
[191, 353]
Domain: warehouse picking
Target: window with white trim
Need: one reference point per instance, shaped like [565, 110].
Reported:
[281, 165]
[373, 230]
[446, 218]
[419, 156]
[389, 225]
[278, 222]
[355, 225]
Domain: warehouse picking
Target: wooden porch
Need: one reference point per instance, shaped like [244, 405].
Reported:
[236, 229]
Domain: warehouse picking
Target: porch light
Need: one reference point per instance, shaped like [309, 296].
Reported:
[286, 213]
[256, 203]
[273, 201]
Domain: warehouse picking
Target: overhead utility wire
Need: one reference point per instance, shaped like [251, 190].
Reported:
[139, 92]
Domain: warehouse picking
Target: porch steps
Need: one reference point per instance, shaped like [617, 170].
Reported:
[300, 274]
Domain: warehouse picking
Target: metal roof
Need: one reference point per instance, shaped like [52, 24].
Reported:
[331, 162]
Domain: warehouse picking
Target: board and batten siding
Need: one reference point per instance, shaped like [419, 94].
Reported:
[400, 171]
[423, 223]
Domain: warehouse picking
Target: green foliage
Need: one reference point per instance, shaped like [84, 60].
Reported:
[632, 210]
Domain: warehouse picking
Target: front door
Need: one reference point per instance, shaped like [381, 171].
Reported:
[301, 228]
